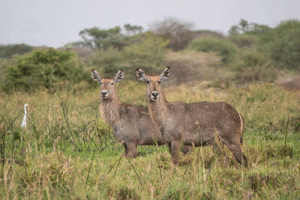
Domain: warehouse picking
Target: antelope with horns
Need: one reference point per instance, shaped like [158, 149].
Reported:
[131, 124]
[194, 124]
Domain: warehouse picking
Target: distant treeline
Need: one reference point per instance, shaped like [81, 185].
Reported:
[7, 51]
[252, 50]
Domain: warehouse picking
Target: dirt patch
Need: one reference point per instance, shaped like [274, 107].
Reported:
[293, 84]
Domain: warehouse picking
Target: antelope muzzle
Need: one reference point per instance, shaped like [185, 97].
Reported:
[104, 94]
[154, 95]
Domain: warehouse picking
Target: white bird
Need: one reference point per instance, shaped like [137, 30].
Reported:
[24, 118]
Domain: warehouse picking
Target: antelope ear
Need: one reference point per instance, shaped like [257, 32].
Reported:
[165, 74]
[140, 74]
[95, 76]
[119, 76]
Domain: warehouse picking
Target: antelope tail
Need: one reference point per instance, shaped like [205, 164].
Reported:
[242, 127]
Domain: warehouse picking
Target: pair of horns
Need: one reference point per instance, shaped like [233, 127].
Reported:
[118, 77]
[140, 74]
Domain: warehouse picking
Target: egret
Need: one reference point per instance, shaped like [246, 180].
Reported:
[24, 118]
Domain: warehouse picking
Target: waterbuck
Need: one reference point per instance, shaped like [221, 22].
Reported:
[131, 124]
[194, 124]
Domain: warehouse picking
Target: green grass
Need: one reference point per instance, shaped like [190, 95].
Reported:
[68, 152]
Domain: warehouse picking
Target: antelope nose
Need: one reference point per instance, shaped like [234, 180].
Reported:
[104, 93]
[154, 94]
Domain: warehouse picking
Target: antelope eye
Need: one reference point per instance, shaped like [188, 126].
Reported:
[112, 83]
[158, 81]
[148, 81]
[101, 83]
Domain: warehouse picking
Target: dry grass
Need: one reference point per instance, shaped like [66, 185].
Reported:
[71, 154]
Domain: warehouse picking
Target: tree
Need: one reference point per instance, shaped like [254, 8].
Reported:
[283, 43]
[148, 53]
[132, 30]
[7, 51]
[234, 29]
[244, 25]
[101, 39]
[252, 28]
[179, 33]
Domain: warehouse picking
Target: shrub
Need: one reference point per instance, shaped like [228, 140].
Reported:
[146, 50]
[178, 32]
[209, 33]
[283, 44]
[243, 40]
[252, 65]
[226, 49]
[190, 66]
[149, 53]
[83, 52]
[43, 68]
[4, 64]
[7, 51]
[286, 47]
[107, 61]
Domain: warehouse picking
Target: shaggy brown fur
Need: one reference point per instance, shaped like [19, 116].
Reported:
[194, 124]
[131, 124]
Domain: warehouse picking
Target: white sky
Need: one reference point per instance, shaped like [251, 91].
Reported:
[57, 22]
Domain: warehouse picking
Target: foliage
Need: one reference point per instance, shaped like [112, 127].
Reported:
[4, 64]
[208, 33]
[107, 62]
[283, 43]
[243, 40]
[226, 49]
[7, 51]
[251, 29]
[44, 68]
[146, 50]
[193, 66]
[132, 30]
[253, 66]
[102, 39]
[179, 33]
[259, 30]
[149, 53]
[83, 52]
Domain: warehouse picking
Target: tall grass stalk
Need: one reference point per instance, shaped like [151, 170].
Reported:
[285, 139]
[56, 169]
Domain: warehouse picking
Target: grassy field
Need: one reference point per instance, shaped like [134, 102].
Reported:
[67, 151]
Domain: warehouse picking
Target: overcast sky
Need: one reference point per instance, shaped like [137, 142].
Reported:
[57, 22]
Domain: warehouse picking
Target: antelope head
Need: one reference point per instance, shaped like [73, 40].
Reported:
[107, 85]
[154, 90]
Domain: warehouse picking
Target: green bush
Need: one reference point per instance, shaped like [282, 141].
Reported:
[146, 51]
[252, 65]
[243, 40]
[283, 44]
[4, 64]
[226, 49]
[46, 69]
[107, 62]
[7, 51]
[149, 53]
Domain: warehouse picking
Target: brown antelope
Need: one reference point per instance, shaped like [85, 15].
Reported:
[131, 124]
[194, 124]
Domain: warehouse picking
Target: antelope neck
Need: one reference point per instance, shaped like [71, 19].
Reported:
[110, 110]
